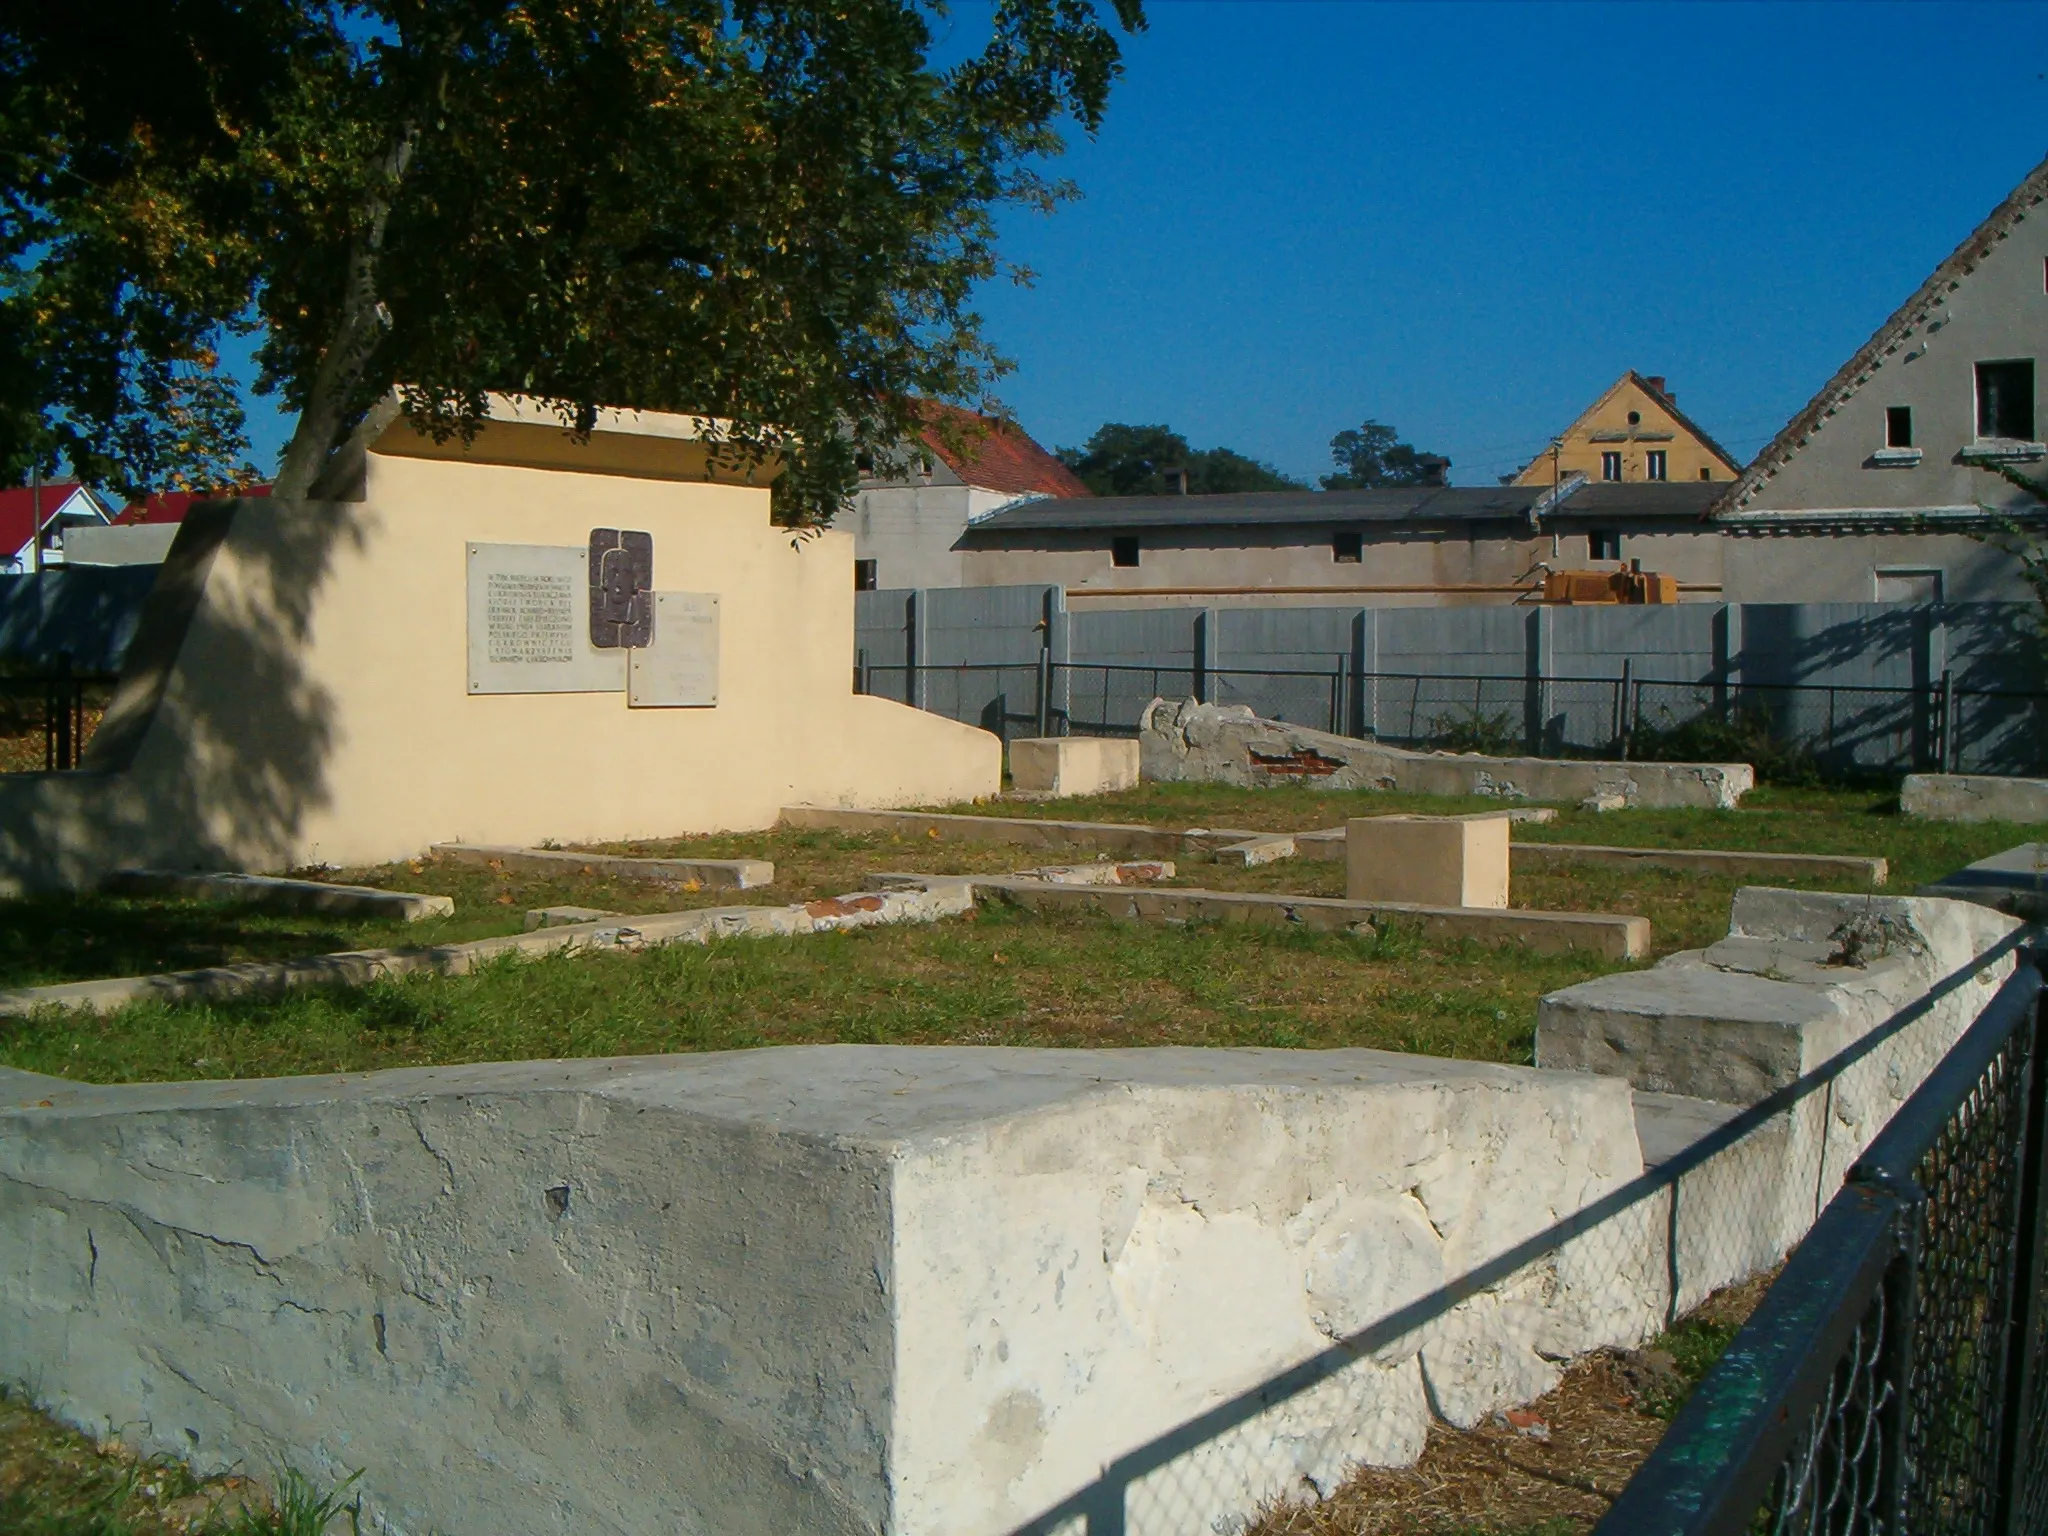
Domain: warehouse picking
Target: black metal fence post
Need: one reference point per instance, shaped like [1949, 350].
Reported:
[1045, 688]
[1621, 715]
[2022, 1363]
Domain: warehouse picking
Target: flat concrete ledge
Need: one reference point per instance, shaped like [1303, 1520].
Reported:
[2015, 882]
[277, 894]
[740, 874]
[1974, 797]
[1610, 937]
[1131, 840]
[359, 967]
[1709, 861]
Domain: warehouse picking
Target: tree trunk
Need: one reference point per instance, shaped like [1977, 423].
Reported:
[323, 422]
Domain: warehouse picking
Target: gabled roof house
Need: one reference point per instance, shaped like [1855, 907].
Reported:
[65, 504]
[1633, 432]
[1900, 476]
[963, 468]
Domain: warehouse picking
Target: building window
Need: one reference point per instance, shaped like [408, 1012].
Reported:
[1347, 548]
[1610, 466]
[1898, 426]
[1635, 418]
[1603, 544]
[1123, 549]
[1655, 463]
[863, 575]
[1907, 584]
[1706, 473]
[2005, 400]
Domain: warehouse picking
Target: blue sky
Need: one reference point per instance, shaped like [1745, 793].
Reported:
[1468, 219]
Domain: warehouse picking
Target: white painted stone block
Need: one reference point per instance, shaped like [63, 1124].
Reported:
[1434, 861]
[820, 1290]
[1073, 765]
[1974, 797]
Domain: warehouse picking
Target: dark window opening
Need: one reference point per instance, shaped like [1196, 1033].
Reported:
[1706, 473]
[2005, 400]
[1347, 548]
[1635, 418]
[1123, 549]
[1656, 463]
[1898, 426]
[1610, 466]
[863, 575]
[1603, 544]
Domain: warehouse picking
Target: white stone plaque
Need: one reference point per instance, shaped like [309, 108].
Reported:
[680, 670]
[529, 623]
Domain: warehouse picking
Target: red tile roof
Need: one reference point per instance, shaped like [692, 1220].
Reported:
[171, 506]
[17, 512]
[997, 455]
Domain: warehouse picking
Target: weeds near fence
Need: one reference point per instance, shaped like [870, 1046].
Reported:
[1741, 736]
[1468, 730]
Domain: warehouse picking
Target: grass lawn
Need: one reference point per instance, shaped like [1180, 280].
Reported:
[1003, 977]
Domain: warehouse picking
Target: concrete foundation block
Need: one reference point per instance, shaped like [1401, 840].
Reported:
[808, 1290]
[1801, 977]
[1974, 797]
[1073, 765]
[1254, 851]
[1436, 861]
[1181, 740]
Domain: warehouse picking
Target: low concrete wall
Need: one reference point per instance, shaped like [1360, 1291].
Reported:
[1974, 797]
[1073, 765]
[1184, 741]
[803, 1290]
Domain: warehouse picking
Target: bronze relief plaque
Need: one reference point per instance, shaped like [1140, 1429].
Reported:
[621, 588]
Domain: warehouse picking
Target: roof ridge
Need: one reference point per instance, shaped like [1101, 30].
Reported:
[1668, 403]
[1946, 277]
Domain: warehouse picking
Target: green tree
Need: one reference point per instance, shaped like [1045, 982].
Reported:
[774, 214]
[1121, 460]
[1373, 455]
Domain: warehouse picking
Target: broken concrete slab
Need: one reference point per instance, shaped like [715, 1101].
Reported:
[2015, 882]
[1709, 861]
[677, 874]
[1062, 766]
[805, 1289]
[565, 917]
[1186, 741]
[276, 894]
[1610, 937]
[1974, 797]
[359, 967]
[1254, 851]
[1433, 861]
[1102, 872]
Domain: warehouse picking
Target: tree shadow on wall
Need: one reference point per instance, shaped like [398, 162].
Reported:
[216, 746]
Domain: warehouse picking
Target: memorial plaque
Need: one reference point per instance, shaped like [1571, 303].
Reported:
[621, 588]
[680, 669]
[529, 623]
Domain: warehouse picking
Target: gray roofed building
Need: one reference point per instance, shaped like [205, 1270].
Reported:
[1410, 545]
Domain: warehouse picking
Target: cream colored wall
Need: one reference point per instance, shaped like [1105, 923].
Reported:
[318, 710]
[1685, 455]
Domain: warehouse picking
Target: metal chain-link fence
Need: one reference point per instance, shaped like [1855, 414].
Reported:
[1791, 733]
[1892, 1379]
